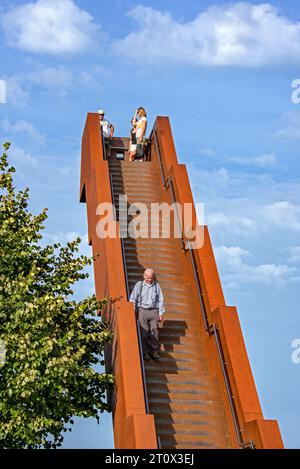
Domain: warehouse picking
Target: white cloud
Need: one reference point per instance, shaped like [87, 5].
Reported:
[16, 94]
[245, 204]
[291, 129]
[257, 219]
[55, 78]
[283, 214]
[236, 271]
[234, 223]
[207, 152]
[23, 127]
[263, 161]
[294, 258]
[18, 156]
[295, 280]
[225, 182]
[239, 34]
[220, 176]
[49, 26]
[231, 255]
[252, 221]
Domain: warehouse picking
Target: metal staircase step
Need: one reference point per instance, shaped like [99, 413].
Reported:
[206, 409]
[176, 367]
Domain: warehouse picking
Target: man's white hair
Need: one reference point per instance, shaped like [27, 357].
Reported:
[149, 271]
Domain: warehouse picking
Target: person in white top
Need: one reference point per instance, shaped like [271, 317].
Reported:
[107, 127]
[141, 125]
[140, 121]
[132, 140]
[107, 130]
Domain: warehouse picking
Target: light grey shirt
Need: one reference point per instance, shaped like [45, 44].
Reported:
[106, 125]
[150, 297]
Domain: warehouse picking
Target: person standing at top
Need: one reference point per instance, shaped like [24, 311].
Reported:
[132, 141]
[141, 127]
[107, 130]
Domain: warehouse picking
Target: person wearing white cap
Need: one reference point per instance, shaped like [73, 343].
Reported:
[107, 127]
[107, 130]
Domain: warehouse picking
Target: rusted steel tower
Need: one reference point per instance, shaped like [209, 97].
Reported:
[202, 393]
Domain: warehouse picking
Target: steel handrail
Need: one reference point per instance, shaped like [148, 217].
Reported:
[162, 171]
[207, 327]
[167, 183]
[103, 144]
[177, 220]
[138, 328]
[210, 329]
[250, 444]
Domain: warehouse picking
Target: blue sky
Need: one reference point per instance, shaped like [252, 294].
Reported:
[223, 72]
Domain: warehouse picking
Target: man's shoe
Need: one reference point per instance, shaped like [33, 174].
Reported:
[146, 357]
[154, 355]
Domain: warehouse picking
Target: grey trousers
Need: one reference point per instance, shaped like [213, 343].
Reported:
[149, 320]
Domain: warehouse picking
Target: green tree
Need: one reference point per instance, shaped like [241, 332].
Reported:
[52, 342]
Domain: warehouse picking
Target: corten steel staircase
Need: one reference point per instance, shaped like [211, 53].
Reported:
[201, 394]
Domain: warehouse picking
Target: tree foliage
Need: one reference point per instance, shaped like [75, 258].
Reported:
[52, 342]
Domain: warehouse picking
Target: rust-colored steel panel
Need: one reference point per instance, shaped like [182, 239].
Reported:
[265, 433]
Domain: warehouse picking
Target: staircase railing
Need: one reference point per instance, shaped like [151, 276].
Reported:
[103, 144]
[161, 166]
[211, 329]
